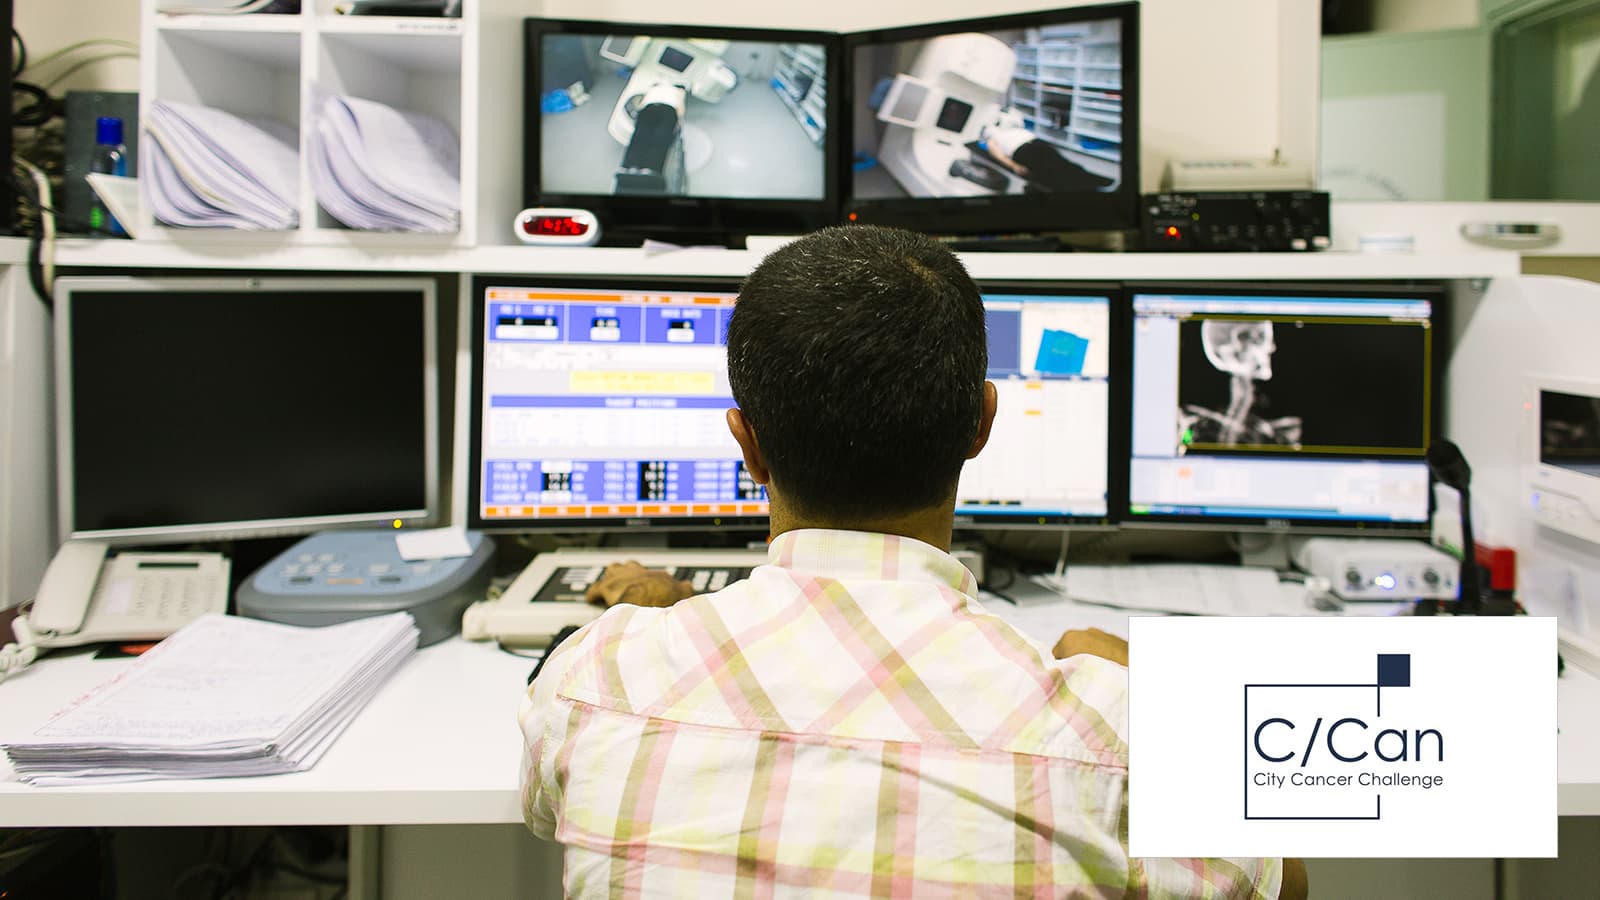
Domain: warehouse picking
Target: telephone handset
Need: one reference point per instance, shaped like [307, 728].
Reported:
[85, 598]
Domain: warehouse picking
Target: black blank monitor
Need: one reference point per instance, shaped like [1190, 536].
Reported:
[206, 409]
[1284, 406]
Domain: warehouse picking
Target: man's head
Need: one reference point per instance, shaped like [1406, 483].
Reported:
[857, 357]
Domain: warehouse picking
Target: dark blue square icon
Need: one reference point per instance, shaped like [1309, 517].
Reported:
[1394, 670]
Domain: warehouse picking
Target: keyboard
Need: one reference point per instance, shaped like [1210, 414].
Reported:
[549, 594]
[568, 584]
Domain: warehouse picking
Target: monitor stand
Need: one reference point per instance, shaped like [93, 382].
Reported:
[1267, 551]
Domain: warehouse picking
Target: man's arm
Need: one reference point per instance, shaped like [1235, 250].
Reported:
[544, 724]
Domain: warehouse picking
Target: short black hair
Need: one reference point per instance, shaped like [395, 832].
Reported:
[858, 354]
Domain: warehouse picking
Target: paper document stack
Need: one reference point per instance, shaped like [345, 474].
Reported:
[1199, 590]
[379, 168]
[208, 168]
[224, 696]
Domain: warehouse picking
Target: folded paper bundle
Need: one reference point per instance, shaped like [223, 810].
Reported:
[384, 169]
[208, 168]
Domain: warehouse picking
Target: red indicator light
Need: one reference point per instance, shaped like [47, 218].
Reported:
[852, 217]
[555, 226]
[1172, 231]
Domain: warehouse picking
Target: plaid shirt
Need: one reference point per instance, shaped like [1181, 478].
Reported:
[846, 722]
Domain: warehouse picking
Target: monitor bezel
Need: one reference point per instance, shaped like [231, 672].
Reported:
[630, 219]
[64, 290]
[1116, 210]
[472, 334]
[1439, 322]
[1116, 440]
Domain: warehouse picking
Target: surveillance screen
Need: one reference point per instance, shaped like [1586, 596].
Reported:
[974, 114]
[1281, 407]
[688, 117]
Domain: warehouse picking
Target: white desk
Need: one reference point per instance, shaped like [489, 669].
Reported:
[439, 745]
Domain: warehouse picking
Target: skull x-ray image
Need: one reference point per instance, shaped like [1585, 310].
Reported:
[1243, 351]
[1287, 386]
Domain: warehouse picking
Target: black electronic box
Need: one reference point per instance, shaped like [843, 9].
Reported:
[1217, 221]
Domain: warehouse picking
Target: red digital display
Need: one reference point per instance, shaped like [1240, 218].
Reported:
[555, 226]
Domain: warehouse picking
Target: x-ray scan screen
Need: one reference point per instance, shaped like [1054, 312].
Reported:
[1281, 407]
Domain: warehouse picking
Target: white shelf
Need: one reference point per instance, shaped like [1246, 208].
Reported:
[377, 255]
[389, 25]
[282, 66]
[255, 24]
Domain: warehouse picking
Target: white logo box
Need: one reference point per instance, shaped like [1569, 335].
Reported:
[1278, 737]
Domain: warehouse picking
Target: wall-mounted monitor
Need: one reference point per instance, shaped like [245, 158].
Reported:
[601, 404]
[1004, 124]
[1284, 406]
[199, 409]
[1051, 360]
[668, 129]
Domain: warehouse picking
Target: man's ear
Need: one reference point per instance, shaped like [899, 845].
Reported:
[991, 403]
[754, 463]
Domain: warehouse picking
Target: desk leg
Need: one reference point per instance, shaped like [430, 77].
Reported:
[365, 875]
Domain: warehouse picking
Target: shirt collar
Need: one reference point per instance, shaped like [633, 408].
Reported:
[868, 556]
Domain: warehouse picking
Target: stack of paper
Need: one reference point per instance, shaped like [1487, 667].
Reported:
[224, 696]
[209, 168]
[1199, 590]
[376, 167]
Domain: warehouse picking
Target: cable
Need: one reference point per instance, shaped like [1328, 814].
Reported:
[20, 62]
[42, 251]
[1061, 559]
[81, 64]
[19, 655]
[42, 110]
[54, 55]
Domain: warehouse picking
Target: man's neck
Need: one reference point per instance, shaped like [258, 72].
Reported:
[930, 526]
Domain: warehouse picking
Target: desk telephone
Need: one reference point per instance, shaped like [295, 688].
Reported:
[85, 598]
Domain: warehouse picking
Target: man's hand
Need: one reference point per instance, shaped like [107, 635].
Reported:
[630, 582]
[1094, 642]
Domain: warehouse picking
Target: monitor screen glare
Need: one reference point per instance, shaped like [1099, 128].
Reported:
[1281, 408]
[1046, 456]
[608, 404]
[642, 115]
[990, 113]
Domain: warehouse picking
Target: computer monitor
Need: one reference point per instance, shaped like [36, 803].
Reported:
[1275, 407]
[201, 409]
[600, 405]
[661, 130]
[1003, 124]
[1051, 359]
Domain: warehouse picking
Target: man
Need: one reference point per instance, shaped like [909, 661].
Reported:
[1038, 161]
[848, 721]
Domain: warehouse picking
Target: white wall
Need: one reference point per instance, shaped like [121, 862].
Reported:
[48, 25]
[1423, 15]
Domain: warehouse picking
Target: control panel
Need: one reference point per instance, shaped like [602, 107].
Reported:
[1379, 569]
[1217, 221]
